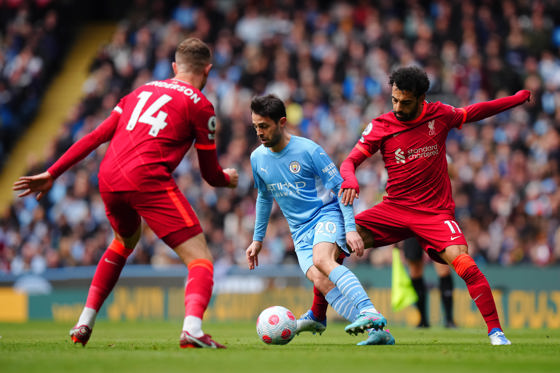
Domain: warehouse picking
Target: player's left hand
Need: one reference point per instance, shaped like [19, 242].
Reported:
[233, 177]
[40, 183]
[355, 242]
[525, 94]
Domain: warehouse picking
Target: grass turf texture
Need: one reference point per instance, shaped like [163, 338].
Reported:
[153, 347]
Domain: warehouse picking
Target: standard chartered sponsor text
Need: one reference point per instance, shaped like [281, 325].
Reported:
[423, 152]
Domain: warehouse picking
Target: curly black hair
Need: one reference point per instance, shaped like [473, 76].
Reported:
[410, 79]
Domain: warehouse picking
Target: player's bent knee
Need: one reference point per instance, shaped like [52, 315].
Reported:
[323, 284]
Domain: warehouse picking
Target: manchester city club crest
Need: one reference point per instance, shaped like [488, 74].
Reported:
[295, 167]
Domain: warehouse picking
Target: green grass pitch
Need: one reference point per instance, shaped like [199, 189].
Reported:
[153, 347]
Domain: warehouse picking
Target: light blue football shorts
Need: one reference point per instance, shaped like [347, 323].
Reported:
[326, 227]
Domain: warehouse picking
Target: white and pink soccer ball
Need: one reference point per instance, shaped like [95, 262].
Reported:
[276, 325]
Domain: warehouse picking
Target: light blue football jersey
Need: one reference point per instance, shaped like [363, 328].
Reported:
[301, 178]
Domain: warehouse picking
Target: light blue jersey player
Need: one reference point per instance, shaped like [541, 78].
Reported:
[300, 176]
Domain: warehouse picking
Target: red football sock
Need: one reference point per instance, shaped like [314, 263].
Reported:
[107, 274]
[198, 291]
[479, 289]
[319, 306]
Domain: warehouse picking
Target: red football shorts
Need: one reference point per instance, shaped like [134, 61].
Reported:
[167, 213]
[391, 223]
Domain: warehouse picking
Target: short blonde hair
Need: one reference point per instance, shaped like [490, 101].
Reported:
[192, 55]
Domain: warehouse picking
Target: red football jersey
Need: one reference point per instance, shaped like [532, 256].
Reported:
[415, 156]
[150, 131]
[157, 125]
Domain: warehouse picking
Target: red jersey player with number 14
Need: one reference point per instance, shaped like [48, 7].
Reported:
[411, 139]
[150, 130]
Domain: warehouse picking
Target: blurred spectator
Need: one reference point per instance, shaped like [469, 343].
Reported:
[33, 40]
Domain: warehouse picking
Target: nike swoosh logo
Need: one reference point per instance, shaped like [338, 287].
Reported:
[110, 262]
[454, 238]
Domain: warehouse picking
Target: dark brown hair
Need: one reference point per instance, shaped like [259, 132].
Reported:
[193, 55]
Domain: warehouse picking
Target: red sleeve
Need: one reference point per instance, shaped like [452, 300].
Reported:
[348, 168]
[205, 130]
[81, 148]
[205, 126]
[476, 112]
[210, 168]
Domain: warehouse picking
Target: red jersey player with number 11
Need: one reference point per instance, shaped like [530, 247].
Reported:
[150, 130]
[418, 203]
[411, 139]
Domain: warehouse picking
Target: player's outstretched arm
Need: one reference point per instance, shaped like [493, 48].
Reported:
[481, 110]
[40, 184]
[252, 253]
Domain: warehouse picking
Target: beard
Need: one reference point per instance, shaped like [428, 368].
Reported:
[405, 117]
[274, 140]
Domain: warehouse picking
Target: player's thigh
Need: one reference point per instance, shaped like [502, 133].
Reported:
[382, 225]
[304, 253]
[169, 215]
[329, 229]
[122, 216]
[437, 232]
[324, 256]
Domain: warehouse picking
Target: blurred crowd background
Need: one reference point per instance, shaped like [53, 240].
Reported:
[329, 61]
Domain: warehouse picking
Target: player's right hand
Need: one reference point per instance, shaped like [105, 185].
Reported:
[233, 177]
[252, 253]
[347, 196]
[349, 190]
[40, 183]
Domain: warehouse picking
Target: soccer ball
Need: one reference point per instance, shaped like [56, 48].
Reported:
[276, 325]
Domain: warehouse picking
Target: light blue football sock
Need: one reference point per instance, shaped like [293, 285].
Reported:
[341, 305]
[351, 288]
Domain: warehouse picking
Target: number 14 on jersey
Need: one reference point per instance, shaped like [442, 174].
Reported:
[153, 115]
